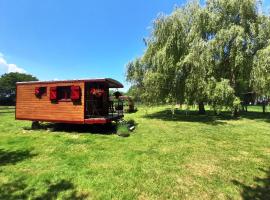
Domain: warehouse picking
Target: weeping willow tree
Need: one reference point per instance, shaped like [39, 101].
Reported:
[203, 54]
[261, 75]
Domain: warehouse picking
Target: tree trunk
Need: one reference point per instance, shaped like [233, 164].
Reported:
[236, 113]
[201, 108]
[244, 107]
[263, 106]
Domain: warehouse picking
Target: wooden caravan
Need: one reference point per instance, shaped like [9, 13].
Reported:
[71, 101]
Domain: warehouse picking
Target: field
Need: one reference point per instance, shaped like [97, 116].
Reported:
[186, 156]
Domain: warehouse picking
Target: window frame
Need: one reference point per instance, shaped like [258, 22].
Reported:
[42, 91]
[67, 93]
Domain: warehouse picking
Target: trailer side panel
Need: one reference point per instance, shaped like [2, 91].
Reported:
[30, 107]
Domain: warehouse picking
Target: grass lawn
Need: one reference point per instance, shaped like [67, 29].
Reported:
[180, 157]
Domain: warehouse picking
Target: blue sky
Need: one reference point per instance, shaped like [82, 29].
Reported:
[76, 39]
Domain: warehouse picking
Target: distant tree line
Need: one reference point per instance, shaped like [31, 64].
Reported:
[8, 86]
[211, 54]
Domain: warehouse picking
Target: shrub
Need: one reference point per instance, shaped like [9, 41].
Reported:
[122, 130]
[124, 127]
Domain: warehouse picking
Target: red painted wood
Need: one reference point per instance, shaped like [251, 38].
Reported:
[37, 91]
[75, 93]
[97, 121]
[102, 120]
[53, 93]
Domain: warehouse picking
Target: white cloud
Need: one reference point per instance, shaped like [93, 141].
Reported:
[8, 67]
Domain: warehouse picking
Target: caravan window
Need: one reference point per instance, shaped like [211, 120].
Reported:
[64, 92]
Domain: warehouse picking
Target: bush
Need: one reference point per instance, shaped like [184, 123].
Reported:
[122, 130]
[124, 127]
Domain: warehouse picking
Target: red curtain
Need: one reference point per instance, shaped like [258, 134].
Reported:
[53, 93]
[37, 91]
[75, 93]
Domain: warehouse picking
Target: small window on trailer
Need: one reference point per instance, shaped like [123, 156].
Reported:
[40, 91]
[64, 93]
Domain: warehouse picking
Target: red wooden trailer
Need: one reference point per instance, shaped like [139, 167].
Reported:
[71, 101]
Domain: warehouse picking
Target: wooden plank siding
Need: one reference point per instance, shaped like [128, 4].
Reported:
[29, 107]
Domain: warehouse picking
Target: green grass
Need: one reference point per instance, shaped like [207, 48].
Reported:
[186, 156]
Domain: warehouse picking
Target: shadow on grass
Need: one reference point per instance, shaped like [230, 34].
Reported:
[7, 112]
[7, 108]
[261, 190]
[106, 129]
[13, 157]
[209, 118]
[190, 116]
[256, 116]
[18, 189]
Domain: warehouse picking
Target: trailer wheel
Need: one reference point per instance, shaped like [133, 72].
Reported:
[35, 125]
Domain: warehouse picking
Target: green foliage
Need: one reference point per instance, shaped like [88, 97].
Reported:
[134, 92]
[8, 85]
[135, 72]
[221, 95]
[122, 129]
[197, 52]
[261, 72]
[125, 127]
[236, 104]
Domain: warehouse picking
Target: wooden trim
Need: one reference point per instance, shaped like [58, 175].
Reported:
[64, 100]
[53, 121]
[97, 121]
[95, 80]
[16, 102]
[86, 121]
[49, 82]
[62, 81]
[102, 120]
[108, 80]
[84, 99]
